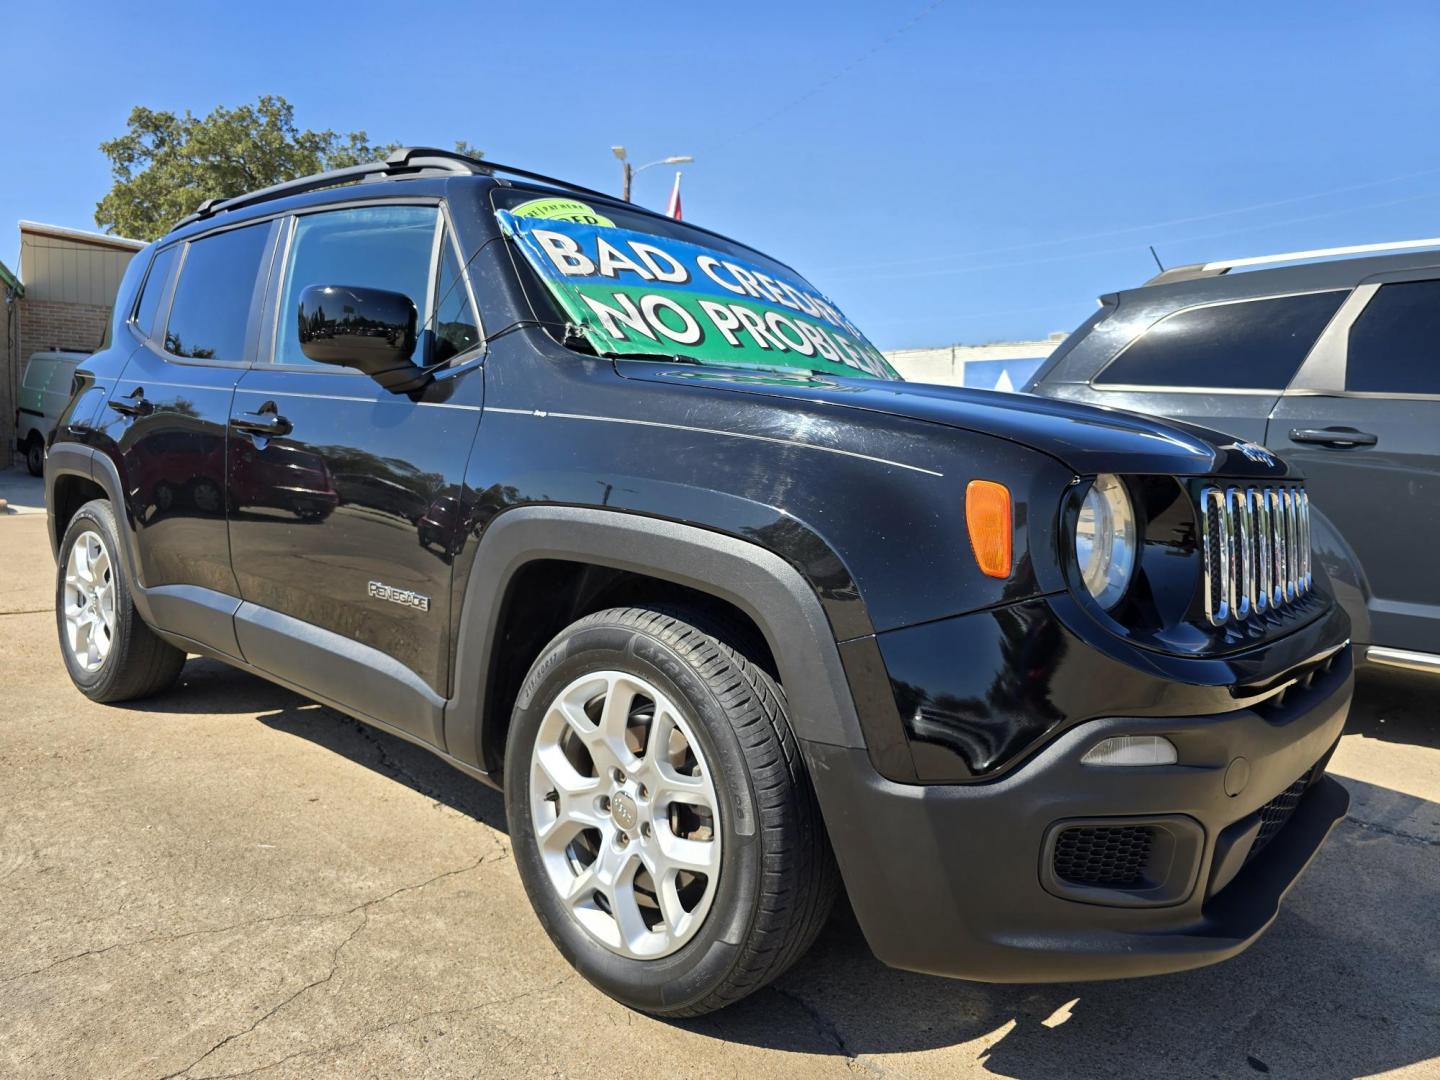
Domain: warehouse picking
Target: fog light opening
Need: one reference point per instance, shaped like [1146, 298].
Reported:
[1132, 750]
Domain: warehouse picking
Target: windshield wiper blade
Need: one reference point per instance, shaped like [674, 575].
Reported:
[669, 358]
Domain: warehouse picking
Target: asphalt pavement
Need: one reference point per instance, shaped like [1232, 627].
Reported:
[230, 880]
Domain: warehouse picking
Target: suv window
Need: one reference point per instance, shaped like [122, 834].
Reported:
[212, 299]
[454, 324]
[1395, 342]
[1245, 345]
[153, 288]
[376, 247]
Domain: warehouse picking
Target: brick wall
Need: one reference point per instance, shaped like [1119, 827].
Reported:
[52, 324]
[9, 375]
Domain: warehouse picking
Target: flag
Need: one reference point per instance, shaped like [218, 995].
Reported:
[673, 210]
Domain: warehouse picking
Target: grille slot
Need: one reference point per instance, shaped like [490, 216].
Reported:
[1257, 550]
[1276, 814]
[1108, 856]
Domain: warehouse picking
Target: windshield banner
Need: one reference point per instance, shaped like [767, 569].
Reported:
[638, 293]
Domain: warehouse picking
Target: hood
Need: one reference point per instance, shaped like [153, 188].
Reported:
[1088, 438]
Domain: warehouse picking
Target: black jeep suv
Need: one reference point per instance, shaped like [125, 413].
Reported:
[628, 515]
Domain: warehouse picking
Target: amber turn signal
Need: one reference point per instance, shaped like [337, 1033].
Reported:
[987, 516]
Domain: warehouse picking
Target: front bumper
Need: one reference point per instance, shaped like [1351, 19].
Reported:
[951, 879]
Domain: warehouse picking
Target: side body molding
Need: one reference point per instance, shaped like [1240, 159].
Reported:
[757, 581]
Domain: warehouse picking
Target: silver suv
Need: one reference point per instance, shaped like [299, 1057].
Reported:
[1330, 358]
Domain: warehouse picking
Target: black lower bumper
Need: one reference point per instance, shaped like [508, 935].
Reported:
[955, 879]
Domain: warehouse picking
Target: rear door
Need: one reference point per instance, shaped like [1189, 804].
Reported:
[167, 418]
[333, 527]
[1362, 422]
[1222, 364]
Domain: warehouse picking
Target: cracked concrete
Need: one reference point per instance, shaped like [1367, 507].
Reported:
[230, 881]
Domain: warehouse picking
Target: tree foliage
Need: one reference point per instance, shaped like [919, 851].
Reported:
[166, 165]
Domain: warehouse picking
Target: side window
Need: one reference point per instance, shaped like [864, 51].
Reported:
[1395, 342]
[376, 247]
[152, 290]
[212, 298]
[1246, 345]
[453, 325]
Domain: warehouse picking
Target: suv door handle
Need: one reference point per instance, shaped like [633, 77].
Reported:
[1339, 438]
[133, 404]
[265, 422]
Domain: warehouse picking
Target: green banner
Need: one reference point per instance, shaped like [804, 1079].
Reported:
[637, 293]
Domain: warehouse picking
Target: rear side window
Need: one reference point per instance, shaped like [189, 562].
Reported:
[154, 286]
[1246, 345]
[211, 309]
[1395, 342]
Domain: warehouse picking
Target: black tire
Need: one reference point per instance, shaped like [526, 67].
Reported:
[777, 881]
[139, 663]
[35, 455]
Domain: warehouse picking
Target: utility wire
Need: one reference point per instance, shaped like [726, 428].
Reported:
[1105, 235]
[1127, 249]
[834, 77]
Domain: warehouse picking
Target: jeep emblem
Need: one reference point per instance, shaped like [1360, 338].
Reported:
[1256, 453]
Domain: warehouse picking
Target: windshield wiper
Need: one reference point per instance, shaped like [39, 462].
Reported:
[669, 358]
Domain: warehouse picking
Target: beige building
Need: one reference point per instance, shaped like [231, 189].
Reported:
[61, 299]
[1000, 365]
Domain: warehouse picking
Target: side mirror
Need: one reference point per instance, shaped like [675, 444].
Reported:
[370, 330]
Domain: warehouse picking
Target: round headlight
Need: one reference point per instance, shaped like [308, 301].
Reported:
[1105, 540]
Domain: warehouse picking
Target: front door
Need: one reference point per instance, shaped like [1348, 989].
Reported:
[1363, 425]
[337, 484]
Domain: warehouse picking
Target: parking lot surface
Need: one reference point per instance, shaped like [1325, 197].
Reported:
[229, 880]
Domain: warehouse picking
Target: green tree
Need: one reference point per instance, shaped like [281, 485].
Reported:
[166, 165]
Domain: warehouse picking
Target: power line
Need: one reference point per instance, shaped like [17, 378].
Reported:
[1190, 220]
[1127, 249]
[832, 78]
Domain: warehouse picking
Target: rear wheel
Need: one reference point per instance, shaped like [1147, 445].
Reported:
[662, 821]
[109, 651]
[35, 455]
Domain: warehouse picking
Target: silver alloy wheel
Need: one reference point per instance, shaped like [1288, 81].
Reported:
[89, 601]
[625, 813]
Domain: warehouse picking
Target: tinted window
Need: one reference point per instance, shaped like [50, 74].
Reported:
[1247, 345]
[154, 287]
[454, 325]
[1395, 343]
[212, 299]
[376, 247]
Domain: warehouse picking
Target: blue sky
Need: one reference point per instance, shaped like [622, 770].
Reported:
[947, 172]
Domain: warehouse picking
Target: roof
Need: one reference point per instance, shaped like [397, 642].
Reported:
[10, 281]
[80, 236]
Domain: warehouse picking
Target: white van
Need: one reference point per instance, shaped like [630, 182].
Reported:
[44, 390]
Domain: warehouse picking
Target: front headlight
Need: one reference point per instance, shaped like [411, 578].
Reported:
[1105, 540]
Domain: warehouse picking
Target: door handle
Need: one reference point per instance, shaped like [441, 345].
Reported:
[265, 422]
[1339, 438]
[133, 404]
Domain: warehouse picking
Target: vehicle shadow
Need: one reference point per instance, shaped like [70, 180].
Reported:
[209, 686]
[1396, 706]
[1347, 981]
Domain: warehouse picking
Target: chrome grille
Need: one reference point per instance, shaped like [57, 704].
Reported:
[1257, 550]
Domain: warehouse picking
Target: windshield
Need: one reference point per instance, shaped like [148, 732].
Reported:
[644, 287]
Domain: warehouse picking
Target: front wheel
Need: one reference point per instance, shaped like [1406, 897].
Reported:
[109, 651]
[662, 820]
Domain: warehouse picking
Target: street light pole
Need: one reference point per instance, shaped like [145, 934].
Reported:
[628, 171]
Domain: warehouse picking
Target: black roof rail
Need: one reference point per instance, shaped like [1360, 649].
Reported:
[407, 161]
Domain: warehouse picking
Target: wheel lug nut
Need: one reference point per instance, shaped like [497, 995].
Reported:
[645, 830]
[644, 792]
[617, 775]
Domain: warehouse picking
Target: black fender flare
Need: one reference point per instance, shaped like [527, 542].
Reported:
[757, 581]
